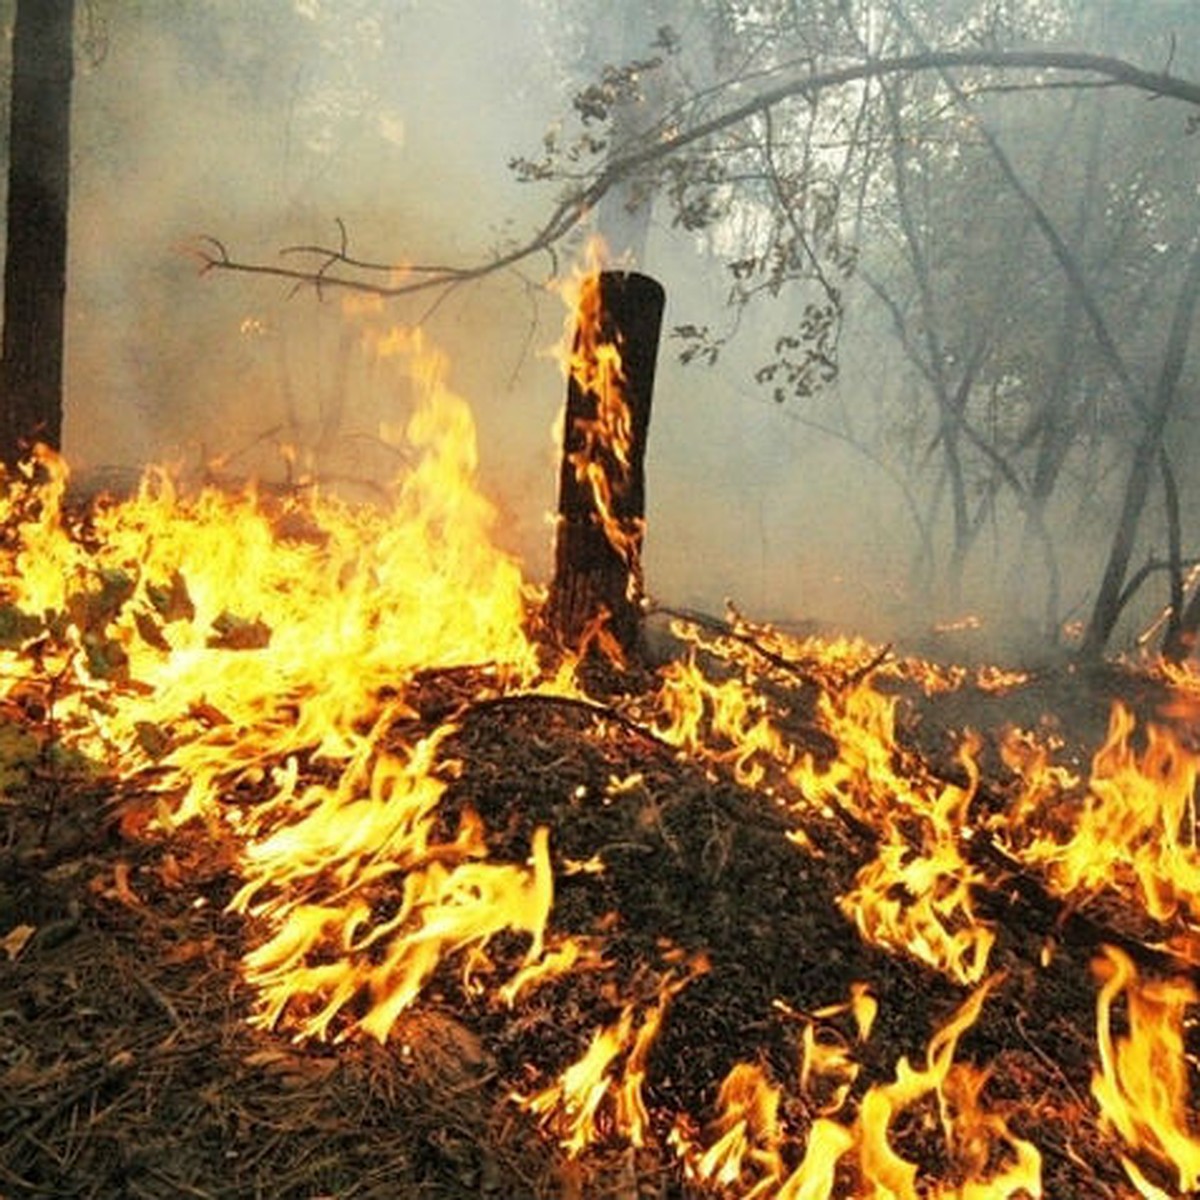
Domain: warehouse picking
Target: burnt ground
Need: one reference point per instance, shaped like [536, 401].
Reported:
[127, 1067]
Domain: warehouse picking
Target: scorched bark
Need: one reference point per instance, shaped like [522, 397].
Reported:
[593, 580]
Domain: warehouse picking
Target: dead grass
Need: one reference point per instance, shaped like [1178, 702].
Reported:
[127, 1067]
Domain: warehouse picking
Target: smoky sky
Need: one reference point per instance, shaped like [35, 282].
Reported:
[265, 124]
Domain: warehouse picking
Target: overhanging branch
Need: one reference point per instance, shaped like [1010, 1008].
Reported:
[337, 268]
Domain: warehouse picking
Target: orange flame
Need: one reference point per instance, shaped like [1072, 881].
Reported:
[1135, 829]
[601, 1093]
[593, 361]
[1142, 1086]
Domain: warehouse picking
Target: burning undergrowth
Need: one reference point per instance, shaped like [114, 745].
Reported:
[325, 877]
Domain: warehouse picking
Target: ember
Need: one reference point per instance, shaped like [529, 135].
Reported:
[696, 933]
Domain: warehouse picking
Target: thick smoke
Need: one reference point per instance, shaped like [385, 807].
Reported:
[266, 124]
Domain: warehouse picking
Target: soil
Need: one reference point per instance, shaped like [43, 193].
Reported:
[128, 1068]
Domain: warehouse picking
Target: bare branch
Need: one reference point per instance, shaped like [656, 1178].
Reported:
[336, 268]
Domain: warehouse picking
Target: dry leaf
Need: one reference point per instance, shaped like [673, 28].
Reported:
[16, 939]
[119, 890]
[189, 950]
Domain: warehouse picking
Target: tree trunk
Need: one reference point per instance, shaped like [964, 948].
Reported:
[596, 593]
[35, 274]
[1182, 637]
[1108, 600]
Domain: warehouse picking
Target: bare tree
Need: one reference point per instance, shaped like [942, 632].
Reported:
[1146, 457]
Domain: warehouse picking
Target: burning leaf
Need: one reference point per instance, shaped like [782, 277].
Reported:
[93, 609]
[106, 658]
[172, 603]
[151, 632]
[366, 877]
[231, 632]
[154, 741]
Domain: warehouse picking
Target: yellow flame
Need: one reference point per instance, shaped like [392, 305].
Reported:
[1135, 828]
[723, 722]
[915, 896]
[257, 651]
[593, 361]
[1142, 1085]
[743, 1148]
[600, 1095]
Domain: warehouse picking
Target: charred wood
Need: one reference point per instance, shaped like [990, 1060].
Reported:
[597, 589]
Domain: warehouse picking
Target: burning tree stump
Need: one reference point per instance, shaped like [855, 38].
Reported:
[597, 590]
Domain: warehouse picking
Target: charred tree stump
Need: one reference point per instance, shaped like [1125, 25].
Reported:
[597, 590]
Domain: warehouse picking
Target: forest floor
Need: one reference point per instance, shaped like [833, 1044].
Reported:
[128, 1067]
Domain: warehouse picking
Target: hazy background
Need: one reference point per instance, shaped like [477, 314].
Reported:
[262, 123]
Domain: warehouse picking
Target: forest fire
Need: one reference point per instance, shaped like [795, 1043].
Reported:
[735, 921]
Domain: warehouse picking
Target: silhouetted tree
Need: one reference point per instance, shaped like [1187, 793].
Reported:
[35, 275]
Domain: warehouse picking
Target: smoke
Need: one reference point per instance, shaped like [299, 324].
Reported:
[265, 125]
[267, 128]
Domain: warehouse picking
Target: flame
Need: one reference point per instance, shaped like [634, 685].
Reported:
[828, 1143]
[975, 1137]
[244, 634]
[1142, 1085]
[744, 1140]
[349, 600]
[356, 851]
[918, 900]
[745, 1146]
[1136, 826]
[603, 440]
[601, 1094]
[826, 1058]
[915, 896]
[252, 656]
[725, 722]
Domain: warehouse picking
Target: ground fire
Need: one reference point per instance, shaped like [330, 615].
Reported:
[329, 872]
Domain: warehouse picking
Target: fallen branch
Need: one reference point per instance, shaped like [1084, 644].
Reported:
[1019, 892]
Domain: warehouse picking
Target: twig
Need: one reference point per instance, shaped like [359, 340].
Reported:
[592, 707]
[726, 629]
[655, 148]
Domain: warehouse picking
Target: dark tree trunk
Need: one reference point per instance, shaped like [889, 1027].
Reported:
[1146, 455]
[1182, 637]
[35, 274]
[597, 585]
